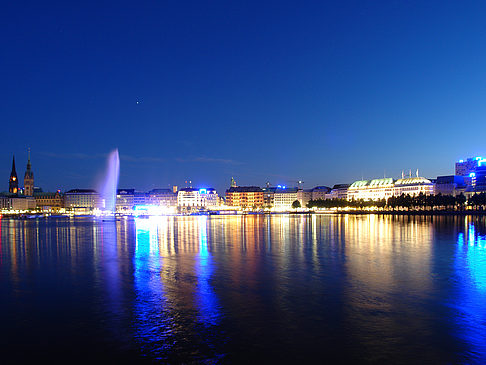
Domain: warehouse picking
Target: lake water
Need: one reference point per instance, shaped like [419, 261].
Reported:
[286, 288]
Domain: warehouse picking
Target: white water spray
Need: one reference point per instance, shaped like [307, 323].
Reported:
[110, 183]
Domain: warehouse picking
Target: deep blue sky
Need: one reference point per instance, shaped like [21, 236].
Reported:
[263, 91]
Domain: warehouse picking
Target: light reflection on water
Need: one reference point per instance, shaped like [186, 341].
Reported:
[470, 301]
[284, 288]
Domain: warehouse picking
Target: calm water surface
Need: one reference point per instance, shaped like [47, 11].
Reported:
[244, 289]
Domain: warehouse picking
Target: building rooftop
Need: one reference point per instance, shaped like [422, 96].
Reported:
[340, 186]
[381, 182]
[325, 188]
[286, 190]
[81, 191]
[359, 184]
[413, 181]
[160, 191]
[125, 191]
[244, 189]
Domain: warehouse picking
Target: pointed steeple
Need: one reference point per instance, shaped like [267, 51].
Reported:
[13, 183]
[13, 166]
[29, 167]
[29, 179]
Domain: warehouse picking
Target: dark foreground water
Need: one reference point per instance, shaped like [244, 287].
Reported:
[282, 288]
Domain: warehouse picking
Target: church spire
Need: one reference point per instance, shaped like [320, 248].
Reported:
[13, 183]
[28, 161]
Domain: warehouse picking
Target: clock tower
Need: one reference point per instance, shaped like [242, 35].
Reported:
[29, 179]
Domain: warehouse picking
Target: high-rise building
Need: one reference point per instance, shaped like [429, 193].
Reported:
[13, 183]
[468, 166]
[29, 179]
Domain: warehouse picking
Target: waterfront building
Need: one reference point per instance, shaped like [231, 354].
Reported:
[162, 197]
[385, 188]
[355, 188]
[125, 200]
[29, 179]
[413, 186]
[10, 201]
[478, 184]
[338, 191]
[49, 201]
[284, 197]
[268, 196]
[320, 192]
[13, 182]
[450, 185]
[375, 189]
[193, 198]
[466, 167]
[140, 198]
[304, 196]
[81, 200]
[244, 196]
[4, 202]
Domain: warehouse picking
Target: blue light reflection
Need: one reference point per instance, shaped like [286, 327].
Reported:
[206, 300]
[154, 324]
[470, 303]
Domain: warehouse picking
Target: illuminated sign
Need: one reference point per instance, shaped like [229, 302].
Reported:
[203, 191]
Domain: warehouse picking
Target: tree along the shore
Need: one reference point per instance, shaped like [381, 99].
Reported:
[417, 202]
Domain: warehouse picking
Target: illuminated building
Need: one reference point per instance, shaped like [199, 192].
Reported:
[81, 200]
[140, 198]
[320, 192]
[338, 191]
[466, 167]
[192, 198]
[304, 196]
[13, 183]
[268, 196]
[450, 185]
[125, 200]
[385, 188]
[9, 201]
[371, 190]
[478, 183]
[48, 201]
[162, 197]
[5, 202]
[284, 197]
[29, 179]
[413, 186]
[244, 196]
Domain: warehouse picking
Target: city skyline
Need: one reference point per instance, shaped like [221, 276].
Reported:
[467, 165]
[324, 93]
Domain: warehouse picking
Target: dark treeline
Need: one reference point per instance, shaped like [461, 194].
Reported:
[418, 202]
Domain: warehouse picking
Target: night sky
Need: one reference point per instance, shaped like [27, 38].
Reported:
[263, 91]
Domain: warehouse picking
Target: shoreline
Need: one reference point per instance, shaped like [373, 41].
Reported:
[330, 212]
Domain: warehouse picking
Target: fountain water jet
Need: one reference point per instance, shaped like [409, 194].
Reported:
[110, 183]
